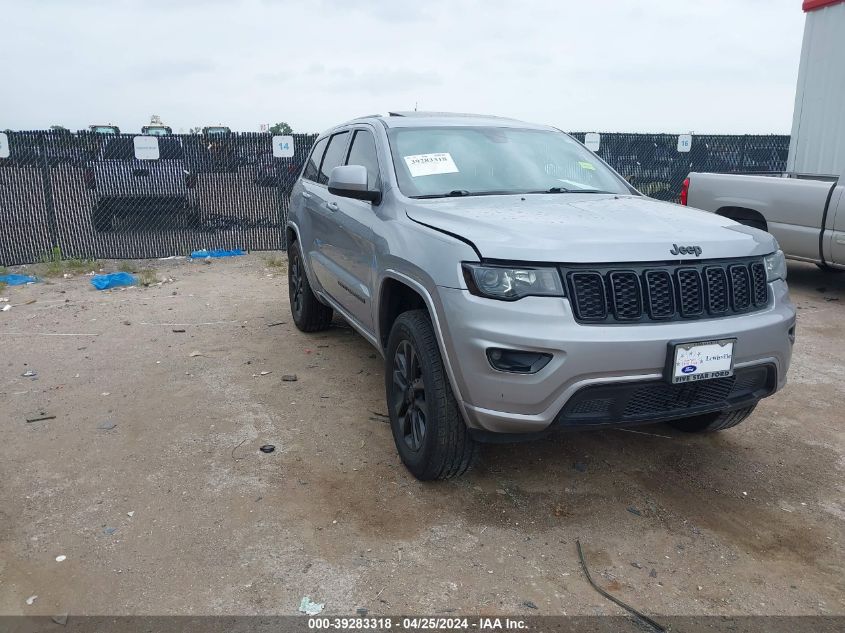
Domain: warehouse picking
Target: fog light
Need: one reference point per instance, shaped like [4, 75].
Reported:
[517, 361]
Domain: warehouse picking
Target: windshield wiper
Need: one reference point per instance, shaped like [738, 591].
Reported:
[565, 190]
[455, 193]
[458, 193]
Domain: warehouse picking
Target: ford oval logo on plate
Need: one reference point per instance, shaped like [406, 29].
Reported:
[704, 360]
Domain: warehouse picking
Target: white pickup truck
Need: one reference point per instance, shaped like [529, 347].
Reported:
[805, 214]
[805, 207]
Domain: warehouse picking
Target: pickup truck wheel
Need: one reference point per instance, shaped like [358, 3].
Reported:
[429, 432]
[309, 314]
[756, 224]
[709, 422]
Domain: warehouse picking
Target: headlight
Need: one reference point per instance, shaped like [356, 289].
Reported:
[512, 283]
[775, 266]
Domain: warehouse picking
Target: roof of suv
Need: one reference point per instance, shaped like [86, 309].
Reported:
[445, 119]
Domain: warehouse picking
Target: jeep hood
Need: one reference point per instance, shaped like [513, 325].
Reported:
[587, 228]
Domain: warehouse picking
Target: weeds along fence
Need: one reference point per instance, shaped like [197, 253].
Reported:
[88, 195]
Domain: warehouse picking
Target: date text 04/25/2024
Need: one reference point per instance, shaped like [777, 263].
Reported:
[421, 623]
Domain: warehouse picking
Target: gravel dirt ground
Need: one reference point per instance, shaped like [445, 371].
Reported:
[173, 509]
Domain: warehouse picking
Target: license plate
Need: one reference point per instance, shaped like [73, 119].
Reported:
[703, 360]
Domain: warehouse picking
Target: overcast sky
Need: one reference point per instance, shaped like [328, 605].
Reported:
[622, 65]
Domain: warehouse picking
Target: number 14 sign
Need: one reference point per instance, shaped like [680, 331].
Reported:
[283, 146]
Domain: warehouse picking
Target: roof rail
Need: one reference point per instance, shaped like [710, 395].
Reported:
[415, 113]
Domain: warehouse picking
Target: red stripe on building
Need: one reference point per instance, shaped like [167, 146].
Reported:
[812, 5]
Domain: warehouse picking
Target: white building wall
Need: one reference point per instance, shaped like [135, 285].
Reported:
[817, 145]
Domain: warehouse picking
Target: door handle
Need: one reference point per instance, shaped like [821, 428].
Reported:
[332, 206]
[305, 194]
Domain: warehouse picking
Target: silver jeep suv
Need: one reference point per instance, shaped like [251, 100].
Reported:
[516, 284]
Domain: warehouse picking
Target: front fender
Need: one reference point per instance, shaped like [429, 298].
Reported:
[438, 321]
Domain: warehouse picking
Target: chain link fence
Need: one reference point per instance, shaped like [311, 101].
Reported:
[86, 195]
[653, 164]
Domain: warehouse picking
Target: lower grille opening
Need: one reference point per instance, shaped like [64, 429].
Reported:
[655, 400]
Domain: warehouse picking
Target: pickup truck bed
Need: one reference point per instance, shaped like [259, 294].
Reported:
[806, 215]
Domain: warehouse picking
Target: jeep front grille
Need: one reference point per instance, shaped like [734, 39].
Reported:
[665, 292]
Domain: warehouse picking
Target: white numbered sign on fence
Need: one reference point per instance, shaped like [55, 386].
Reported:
[283, 146]
[146, 147]
[684, 142]
[4, 145]
[592, 141]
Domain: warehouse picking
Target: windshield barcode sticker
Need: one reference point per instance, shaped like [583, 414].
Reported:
[431, 164]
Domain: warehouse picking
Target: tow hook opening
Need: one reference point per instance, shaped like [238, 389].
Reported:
[517, 361]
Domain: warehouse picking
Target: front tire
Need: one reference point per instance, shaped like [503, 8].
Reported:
[309, 314]
[710, 422]
[432, 439]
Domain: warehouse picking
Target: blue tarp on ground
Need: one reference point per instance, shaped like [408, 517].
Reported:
[113, 280]
[217, 252]
[18, 280]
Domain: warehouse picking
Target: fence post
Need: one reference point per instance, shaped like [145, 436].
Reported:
[47, 183]
[280, 183]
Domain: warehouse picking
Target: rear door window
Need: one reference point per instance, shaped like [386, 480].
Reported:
[121, 148]
[170, 148]
[334, 156]
[363, 152]
[312, 167]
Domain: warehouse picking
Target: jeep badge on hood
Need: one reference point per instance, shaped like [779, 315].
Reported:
[685, 250]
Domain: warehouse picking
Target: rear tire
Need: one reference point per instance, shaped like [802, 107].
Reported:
[432, 439]
[710, 422]
[309, 314]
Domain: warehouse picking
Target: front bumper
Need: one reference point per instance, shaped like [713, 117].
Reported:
[585, 355]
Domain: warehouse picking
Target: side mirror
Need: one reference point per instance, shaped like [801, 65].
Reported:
[350, 181]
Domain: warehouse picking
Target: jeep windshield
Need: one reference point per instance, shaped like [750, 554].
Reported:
[434, 162]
